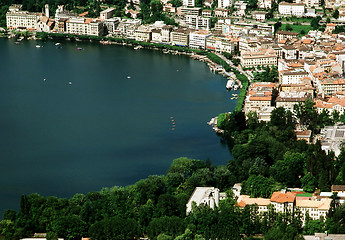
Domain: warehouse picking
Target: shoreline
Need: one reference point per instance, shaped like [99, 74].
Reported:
[215, 63]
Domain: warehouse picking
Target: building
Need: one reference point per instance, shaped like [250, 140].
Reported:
[292, 77]
[263, 57]
[220, 44]
[315, 209]
[259, 96]
[338, 188]
[198, 39]
[206, 13]
[309, 3]
[259, 16]
[282, 35]
[303, 135]
[180, 37]
[209, 196]
[188, 11]
[197, 22]
[111, 24]
[262, 203]
[224, 3]
[294, 9]
[85, 26]
[221, 13]
[283, 201]
[18, 19]
[143, 34]
[189, 3]
[106, 14]
[332, 138]
[288, 100]
[325, 236]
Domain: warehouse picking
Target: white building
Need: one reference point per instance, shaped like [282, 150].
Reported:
[309, 3]
[189, 3]
[220, 44]
[263, 57]
[315, 209]
[84, 26]
[292, 77]
[209, 196]
[18, 19]
[197, 22]
[108, 13]
[224, 3]
[295, 9]
[198, 39]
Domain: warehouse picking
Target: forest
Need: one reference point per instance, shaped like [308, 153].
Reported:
[267, 158]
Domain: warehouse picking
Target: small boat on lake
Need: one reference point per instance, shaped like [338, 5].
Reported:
[79, 48]
[38, 46]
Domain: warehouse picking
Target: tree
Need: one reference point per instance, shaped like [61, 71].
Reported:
[288, 27]
[114, 228]
[336, 14]
[315, 23]
[308, 183]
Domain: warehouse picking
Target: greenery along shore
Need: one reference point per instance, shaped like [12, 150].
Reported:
[267, 158]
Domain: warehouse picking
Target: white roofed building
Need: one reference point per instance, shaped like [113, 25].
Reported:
[209, 196]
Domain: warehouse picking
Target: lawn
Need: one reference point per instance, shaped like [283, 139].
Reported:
[297, 28]
[304, 195]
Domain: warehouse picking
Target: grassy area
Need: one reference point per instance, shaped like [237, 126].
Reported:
[304, 195]
[297, 28]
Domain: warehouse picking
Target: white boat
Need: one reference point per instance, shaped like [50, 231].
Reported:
[230, 84]
[38, 46]
[57, 44]
[137, 47]
[128, 76]
[236, 87]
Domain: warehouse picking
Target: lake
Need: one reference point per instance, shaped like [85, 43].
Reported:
[76, 121]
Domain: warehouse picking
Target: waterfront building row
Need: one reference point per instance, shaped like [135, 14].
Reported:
[281, 201]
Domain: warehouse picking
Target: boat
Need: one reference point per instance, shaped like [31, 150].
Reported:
[17, 42]
[57, 44]
[128, 76]
[236, 87]
[230, 84]
[137, 47]
[38, 46]
[79, 48]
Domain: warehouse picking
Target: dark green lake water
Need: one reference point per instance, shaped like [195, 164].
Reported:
[111, 126]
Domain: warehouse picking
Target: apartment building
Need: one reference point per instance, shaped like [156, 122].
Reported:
[331, 86]
[189, 11]
[283, 35]
[221, 13]
[220, 44]
[259, 96]
[224, 3]
[143, 34]
[198, 39]
[287, 201]
[287, 100]
[263, 57]
[180, 36]
[18, 19]
[106, 14]
[309, 3]
[262, 203]
[85, 26]
[294, 9]
[292, 77]
[198, 22]
[188, 3]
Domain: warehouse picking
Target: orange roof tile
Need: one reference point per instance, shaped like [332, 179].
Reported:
[283, 197]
